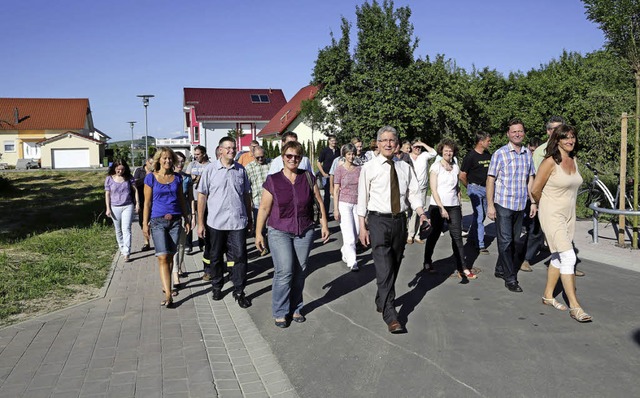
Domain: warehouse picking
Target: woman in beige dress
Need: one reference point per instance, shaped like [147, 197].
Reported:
[555, 190]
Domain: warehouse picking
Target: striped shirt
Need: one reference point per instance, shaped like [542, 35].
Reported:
[511, 171]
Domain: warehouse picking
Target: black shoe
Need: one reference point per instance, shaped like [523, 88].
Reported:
[499, 275]
[243, 302]
[217, 295]
[145, 247]
[299, 318]
[189, 250]
[513, 287]
[282, 324]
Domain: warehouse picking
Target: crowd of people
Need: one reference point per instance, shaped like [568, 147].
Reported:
[379, 197]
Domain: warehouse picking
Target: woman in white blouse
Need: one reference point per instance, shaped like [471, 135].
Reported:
[445, 205]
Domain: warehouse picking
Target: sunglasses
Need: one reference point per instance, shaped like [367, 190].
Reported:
[259, 157]
[290, 156]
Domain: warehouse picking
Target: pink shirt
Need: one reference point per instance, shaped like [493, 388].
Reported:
[348, 181]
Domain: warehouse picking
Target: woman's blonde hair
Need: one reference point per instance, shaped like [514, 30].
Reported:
[162, 150]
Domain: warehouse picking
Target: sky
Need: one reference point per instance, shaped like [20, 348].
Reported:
[110, 51]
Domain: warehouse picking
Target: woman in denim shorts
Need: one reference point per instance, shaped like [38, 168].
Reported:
[164, 209]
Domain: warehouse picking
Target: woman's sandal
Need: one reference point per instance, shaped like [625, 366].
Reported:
[167, 303]
[468, 274]
[579, 315]
[554, 303]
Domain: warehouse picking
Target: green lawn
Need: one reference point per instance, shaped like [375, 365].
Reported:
[55, 242]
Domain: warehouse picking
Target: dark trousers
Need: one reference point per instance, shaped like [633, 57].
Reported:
[508, 228]
[388, 237]
[234, 243]
[455, 231]
[535, 237]
[327, 198]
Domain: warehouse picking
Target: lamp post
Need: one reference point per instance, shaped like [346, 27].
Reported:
[145, 102]
[132, 158]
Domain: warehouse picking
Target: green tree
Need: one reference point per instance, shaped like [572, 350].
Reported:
[620, 22]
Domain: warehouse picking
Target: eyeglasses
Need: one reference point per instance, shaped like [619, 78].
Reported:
[290, 156]
[388, 141]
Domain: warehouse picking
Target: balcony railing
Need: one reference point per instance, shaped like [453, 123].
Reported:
[172, 142]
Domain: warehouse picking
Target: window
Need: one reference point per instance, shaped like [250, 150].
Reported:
[260, 98]
[196, 134]
[9, 146]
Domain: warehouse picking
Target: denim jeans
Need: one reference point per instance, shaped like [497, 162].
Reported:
[534, 238]
[455, 231]
[178, 258]
[122, 217]
[508, 228]
[478, 196]
[234, 243]
[166, 234]
[289, 253]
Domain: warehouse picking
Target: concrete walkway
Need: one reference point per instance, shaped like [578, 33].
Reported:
[476, 339]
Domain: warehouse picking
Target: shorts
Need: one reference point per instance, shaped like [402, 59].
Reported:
[166, 234]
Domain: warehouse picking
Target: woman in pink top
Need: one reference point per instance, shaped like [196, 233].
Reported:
[345, 193]
[121, 196]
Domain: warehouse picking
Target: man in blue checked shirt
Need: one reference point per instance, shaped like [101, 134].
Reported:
[509, 183]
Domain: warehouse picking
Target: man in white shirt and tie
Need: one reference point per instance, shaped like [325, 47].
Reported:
[383, 190]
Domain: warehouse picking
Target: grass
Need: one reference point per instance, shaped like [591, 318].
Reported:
[55, 242]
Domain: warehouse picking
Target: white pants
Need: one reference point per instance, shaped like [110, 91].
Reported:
[350, 227]
[412, 227]
[122, 217]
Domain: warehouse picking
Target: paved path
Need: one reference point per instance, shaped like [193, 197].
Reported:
[470, 340]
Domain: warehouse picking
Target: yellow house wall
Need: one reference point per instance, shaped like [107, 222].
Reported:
[18, 137]
[95, 150]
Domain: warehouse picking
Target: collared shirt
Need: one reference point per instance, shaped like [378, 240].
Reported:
[420, 165]
[538, 155]
[374, 193]
[257, 174]
[196, 169]
[246, 158]
[225, 189]
[511, 170]
[277, 164]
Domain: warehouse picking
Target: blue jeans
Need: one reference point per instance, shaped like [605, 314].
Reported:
[508, 228]
[122, 217]
[534, 239]
[166, 234]
[289, 253]
[478, 196]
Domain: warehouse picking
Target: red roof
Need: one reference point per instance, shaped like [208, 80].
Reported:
[234, 103]
[287, 114]
[44, 113]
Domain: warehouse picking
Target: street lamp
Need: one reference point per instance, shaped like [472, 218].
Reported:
[132, 161]
[145, 102]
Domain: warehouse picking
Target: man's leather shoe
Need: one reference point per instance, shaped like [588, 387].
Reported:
[499, 275]
[579, 273]
[243, 302]
[395, 327]
[379, 310]
[216, 295]
[526, 266]
[513, 287]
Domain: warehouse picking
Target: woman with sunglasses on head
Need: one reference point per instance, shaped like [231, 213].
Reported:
[120, 196]
[555, 191]
[287, 202]
[164, 210]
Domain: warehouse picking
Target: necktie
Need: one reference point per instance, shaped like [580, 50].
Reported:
[395, 189]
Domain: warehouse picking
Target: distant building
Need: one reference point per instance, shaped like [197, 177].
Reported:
[58, 132]
[178, 144]
[210, 113]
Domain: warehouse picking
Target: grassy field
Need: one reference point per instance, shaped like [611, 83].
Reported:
[56, 245]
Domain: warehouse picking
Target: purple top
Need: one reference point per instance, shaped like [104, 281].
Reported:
[292, 208]
[164, 198]
[121, 193]
[348, 181]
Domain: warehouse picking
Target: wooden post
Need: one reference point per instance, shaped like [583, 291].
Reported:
[623, 177]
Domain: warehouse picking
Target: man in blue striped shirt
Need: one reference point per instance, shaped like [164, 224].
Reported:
[509, 182]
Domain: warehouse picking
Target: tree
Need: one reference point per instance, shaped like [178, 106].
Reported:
[314, 113]
[620, 22]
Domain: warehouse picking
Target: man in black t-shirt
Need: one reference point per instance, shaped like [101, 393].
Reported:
[324, 166]
[473, 175]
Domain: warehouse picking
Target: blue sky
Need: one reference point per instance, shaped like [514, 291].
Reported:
[111, 50]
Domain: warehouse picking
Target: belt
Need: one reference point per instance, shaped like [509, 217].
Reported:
[388, 215]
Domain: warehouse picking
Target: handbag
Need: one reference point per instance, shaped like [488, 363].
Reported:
[316, 206]
[425, 230]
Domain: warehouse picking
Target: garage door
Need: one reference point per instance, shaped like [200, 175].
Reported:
[70, 158]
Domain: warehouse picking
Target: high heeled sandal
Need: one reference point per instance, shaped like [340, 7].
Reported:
[554, 303]
[579, 315]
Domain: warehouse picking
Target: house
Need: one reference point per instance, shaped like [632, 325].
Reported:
[59, 132]
[178, 144]
[288, 119]
[210, 113]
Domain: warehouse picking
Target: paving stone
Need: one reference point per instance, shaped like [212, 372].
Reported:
[69, 384]
[173, 386]
[122, 390]
[122, 378]
[94, 387]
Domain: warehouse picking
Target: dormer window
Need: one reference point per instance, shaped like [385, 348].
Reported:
[259, 98]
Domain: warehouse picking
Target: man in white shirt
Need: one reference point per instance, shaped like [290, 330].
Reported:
[420, 155]
[383, 189]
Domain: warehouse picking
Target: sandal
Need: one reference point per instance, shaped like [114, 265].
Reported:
[579, 315]
[468, 274]
[554, 303]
